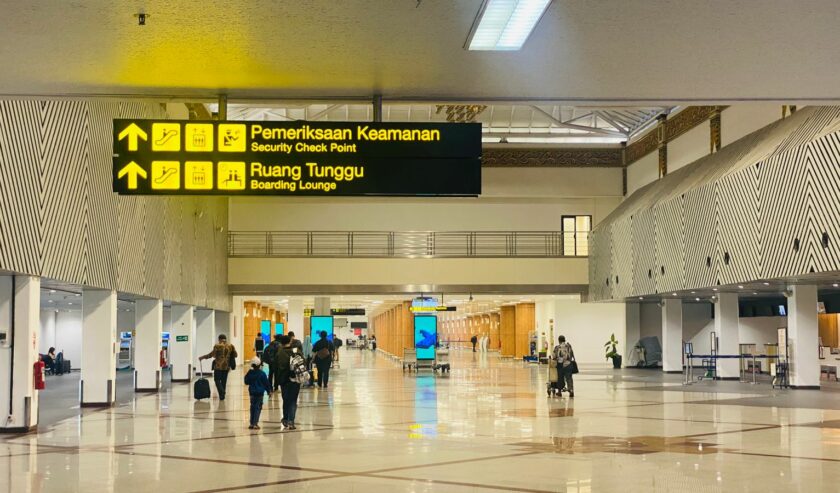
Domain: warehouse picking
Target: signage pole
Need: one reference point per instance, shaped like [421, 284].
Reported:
[377, 107]
[222, 107]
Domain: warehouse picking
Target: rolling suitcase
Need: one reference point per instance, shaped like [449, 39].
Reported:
[201, 387]
[552, 385]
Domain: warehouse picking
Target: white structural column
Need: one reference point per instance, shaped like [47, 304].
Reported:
[322, 305]
[294, 321]
[99, 347]
[181, 342]
[20, 300]
[804, 336]
[205, 331]
[726, 329]
[672, 325]
[148, 327]
[633, 329]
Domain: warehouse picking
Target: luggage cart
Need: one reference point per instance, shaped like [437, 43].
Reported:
[409, 359]
[442, 360]
[552, 387]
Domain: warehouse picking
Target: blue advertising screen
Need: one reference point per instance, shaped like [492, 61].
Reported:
[425, 336]
[265, 331]
[319, 323]
[278, 328]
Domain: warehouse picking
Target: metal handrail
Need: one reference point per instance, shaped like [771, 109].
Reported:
[405, 244]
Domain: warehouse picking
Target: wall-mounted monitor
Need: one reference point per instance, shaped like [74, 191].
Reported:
[265, 331]
[318, 323]
[425, 336]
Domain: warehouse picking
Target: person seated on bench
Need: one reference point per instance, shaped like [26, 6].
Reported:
[49, 360]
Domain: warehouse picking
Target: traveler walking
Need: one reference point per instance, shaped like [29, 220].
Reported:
[295, 343]
[473, 340]
[290, 370]
[323, 350]
[566, 365]
[222, 354]
[373, 343]
[269, 357]
[258, 385]
[337, 343]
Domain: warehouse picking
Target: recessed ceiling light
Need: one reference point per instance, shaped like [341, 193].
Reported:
[70, 303]
[52, 291]
[835, 284]
[693, 292]
[641, 297]
[697, 299]
[504, 25]
[766, 283]
[714, 289]
[740, 287]
[51, 301]
[674, 294]
[755, 292]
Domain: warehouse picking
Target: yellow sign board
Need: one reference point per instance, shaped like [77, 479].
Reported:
[198, 175]
[198, 137]
[231, 175]
[166, 175]
[166, 137]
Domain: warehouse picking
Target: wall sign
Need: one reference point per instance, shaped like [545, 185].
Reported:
[170, 157]
[182, 338]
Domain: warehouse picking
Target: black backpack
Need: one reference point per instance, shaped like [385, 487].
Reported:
[270, 353]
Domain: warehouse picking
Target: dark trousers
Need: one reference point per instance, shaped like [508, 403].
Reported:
[473, 346]
[290, 391]
[220, 377]
[273, 377]
[323, 371]
[256, 408]
[564, 378]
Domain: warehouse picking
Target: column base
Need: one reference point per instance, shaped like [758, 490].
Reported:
[805, 387]
[19, 429]
[672, 371]
[729, 378]
[97, 404]
[182, 380]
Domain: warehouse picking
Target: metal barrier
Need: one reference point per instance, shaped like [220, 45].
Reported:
[403, 244]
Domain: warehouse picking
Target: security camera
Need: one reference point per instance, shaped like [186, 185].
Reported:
[788, 293]
[660, 303]
[141, 18]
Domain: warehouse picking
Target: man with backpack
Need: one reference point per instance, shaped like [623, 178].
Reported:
[269, 357]
[566, 365]
[292, 373]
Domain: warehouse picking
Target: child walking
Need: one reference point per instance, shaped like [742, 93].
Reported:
[258, 385]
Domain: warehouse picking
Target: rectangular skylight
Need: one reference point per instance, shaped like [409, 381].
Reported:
[504, 25]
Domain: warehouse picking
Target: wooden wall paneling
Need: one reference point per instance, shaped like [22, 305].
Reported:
[507, 331]
[251, 323]
[525, 323]
[495, 321]
[828, 329]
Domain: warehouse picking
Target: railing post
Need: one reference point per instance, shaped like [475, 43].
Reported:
[309, 243]
[390, 243]
[268, 243]
[514, 244]
[350, 244]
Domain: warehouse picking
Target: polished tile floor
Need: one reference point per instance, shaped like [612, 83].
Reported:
[487, 426]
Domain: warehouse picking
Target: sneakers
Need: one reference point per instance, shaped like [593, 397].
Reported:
[571, 394]
[292, 426]
[254, 427]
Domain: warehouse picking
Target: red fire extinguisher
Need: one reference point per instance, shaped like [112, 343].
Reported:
[38, 373]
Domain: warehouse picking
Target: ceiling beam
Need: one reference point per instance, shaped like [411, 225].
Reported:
[582, 128]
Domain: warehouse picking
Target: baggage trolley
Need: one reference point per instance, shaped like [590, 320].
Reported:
[552, 386]
[409, 359]
[442, 360]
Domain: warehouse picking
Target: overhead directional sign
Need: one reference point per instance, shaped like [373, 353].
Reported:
[169, 157]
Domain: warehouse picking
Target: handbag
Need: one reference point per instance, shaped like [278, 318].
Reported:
[573, 367]
[232, 362]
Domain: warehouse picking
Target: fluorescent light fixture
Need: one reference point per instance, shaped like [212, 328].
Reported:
[505, 25]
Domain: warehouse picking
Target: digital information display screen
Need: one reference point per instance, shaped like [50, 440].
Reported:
[278, 328]
[170, 157]
[265, 331]
[425, 336]
[317, 324]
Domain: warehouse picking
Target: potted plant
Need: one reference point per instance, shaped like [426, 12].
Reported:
[611, 347]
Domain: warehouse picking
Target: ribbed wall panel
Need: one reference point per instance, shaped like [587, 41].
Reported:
[64, 157]
[20, 186]
[701, 249]
[102, 235]
[622, 259]
[768, 207]
[670, 245]
[59, 218]
[644, 252]
[738, 226]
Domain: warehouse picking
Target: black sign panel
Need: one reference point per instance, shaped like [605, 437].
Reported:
[347, 311]
[168, 157]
